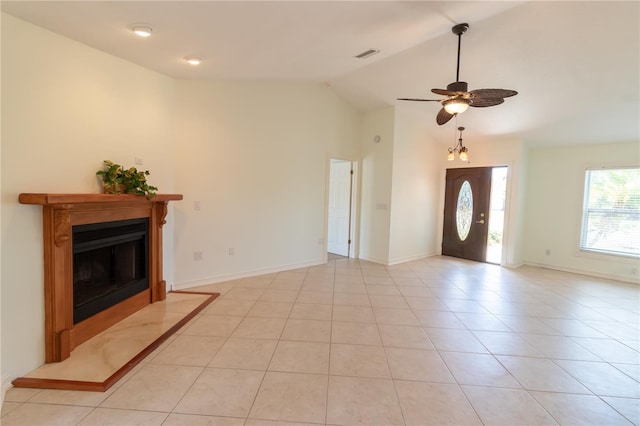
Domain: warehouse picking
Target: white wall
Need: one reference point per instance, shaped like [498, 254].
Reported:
[488, 153]
[415, 189]
[375, 188]
[554, 208]
[65, 108]
[254, 155]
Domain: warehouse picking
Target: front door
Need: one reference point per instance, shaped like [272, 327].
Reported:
[466, 211]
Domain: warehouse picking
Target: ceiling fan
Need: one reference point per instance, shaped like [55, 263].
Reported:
[458, 97]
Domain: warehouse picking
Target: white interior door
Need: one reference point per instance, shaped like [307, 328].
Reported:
[339, 207]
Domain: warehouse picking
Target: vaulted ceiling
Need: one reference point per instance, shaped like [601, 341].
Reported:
[576, 65]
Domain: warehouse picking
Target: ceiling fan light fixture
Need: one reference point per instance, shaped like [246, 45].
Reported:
[455, 106]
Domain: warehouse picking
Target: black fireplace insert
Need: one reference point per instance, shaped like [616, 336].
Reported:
[110, 264]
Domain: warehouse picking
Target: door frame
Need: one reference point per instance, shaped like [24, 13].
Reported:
[509, 223]
[354, 247]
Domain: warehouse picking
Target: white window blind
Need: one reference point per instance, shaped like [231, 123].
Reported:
[611, 216]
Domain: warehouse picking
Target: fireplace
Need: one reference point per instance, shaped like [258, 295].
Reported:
[102, 262]
[110, 264]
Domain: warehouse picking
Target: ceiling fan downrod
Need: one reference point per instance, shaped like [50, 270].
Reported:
[458, 30]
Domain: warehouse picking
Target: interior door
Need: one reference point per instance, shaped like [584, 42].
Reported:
[340, 181]
[466, 210]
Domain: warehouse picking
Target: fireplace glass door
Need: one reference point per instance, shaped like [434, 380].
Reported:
[110, 264]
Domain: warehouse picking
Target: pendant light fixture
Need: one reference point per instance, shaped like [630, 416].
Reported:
[461, 150]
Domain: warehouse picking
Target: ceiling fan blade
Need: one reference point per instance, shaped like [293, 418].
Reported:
[493, 93]
[419, 100]
[444, 92]
[443, 116]
[485, 102]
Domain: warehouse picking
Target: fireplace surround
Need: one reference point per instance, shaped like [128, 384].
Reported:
[63, 214]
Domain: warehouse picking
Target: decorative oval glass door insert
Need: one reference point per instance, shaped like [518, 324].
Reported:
[464, 210]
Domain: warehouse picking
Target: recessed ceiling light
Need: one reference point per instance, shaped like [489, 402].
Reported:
[193, 60]
[142, 30]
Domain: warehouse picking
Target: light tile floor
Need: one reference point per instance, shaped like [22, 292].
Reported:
[435, 341]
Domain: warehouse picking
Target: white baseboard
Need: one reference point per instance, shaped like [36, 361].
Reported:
[587, 273]
[281, 268]
[398, 260]
[374, 260]
[410, 258]
[244, 274]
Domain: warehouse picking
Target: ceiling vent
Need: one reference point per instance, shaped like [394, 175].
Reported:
[367, 53]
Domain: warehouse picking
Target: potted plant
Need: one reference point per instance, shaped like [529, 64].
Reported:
[117, 180]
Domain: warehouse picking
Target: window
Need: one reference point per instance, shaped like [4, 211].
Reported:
[611, 215]
[464, 210]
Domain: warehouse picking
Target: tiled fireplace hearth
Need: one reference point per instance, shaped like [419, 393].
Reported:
[64, 215]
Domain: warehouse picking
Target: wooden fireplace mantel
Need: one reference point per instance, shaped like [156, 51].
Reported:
[60, 212]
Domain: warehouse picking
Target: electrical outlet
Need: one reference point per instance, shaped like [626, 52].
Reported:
[231, 251]
[139, 161]
[197, 255]
[196, 205]
[547, 252]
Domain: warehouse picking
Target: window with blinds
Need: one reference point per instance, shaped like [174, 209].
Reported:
[611, 214]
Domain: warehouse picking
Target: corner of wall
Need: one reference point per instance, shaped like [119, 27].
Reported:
[377, 167]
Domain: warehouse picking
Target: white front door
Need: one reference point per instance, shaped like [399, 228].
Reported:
[339, 207]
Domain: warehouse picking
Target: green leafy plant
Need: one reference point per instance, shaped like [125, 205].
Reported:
[495, 237]
[118, 180]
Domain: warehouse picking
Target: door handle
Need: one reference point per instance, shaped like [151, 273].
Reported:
[480, 221]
